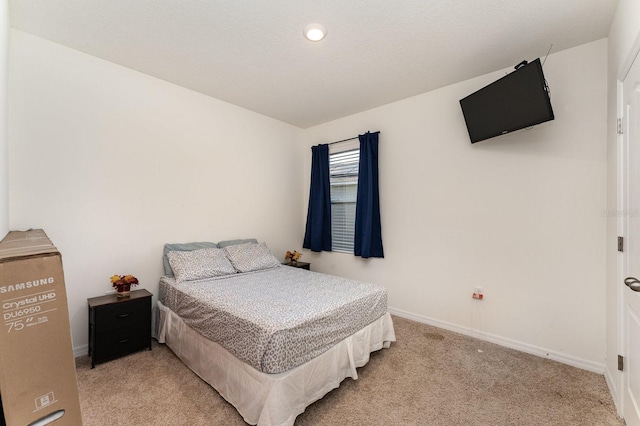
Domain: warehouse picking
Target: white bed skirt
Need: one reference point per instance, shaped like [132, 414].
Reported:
[271, 399]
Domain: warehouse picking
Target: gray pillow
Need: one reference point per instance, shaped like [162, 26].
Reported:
[250, 257]
[199, 264]
[182, 247]
[223, 244]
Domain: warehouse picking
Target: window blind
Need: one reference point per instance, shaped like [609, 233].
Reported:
[343, 179]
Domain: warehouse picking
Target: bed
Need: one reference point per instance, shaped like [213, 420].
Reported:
[269, 338]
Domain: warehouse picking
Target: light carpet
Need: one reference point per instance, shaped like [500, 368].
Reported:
[429, 376]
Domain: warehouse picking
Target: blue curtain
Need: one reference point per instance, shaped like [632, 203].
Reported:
[368, 233]
[317, 236]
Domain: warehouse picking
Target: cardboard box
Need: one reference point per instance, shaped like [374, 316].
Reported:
[38, 384]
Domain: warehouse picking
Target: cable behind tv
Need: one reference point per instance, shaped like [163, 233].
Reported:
[545, 57]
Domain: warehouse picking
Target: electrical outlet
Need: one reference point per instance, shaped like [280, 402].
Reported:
[478, 293]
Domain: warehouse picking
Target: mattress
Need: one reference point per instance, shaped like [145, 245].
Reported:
[275, 319]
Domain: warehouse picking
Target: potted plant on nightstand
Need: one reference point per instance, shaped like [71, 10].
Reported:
[123, 283]
[292, 256]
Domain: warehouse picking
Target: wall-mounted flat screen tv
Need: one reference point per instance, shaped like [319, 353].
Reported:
[516, 101]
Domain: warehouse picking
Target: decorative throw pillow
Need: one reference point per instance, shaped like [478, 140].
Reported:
[199, 264]
[181, 247]
[250, 257]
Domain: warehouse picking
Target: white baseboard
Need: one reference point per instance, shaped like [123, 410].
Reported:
[81, 350]
[612, 383]
[503, 341]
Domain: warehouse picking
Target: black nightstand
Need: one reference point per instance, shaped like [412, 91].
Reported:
[298, 264]
[119, 326]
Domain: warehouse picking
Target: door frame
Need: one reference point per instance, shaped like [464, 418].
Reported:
[621, 225]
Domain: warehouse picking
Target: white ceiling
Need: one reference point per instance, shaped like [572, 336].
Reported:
[252, 53]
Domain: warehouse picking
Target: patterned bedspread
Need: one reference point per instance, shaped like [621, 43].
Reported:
[278, 318]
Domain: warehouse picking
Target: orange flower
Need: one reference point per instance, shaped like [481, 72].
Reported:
[294, 255]
[130, 279]
[120, 280]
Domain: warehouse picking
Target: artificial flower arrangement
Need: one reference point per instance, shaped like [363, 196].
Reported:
[123, 283]
[292, 256]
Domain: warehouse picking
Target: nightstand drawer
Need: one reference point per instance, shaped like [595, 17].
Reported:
[122, 315]
[119, 326]
[116, 343]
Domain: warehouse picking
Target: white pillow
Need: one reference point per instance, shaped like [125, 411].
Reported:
[199, 264]
[250, 257]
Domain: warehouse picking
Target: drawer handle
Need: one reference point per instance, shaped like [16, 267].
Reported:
[124, 315]
[124, 341]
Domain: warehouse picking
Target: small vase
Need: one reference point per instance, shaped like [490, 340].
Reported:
[123, 290]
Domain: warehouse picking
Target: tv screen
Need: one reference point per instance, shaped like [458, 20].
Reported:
[518, 100]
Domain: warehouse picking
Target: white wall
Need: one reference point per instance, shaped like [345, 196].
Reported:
[521, 215]
[4, 81]
[112, 164]
[625, 31]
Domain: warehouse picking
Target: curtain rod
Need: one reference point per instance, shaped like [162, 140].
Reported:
[350, 139]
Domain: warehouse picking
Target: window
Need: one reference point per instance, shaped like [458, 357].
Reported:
[343, 179]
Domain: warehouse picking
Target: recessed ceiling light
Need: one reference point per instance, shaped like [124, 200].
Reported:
[314, 32]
